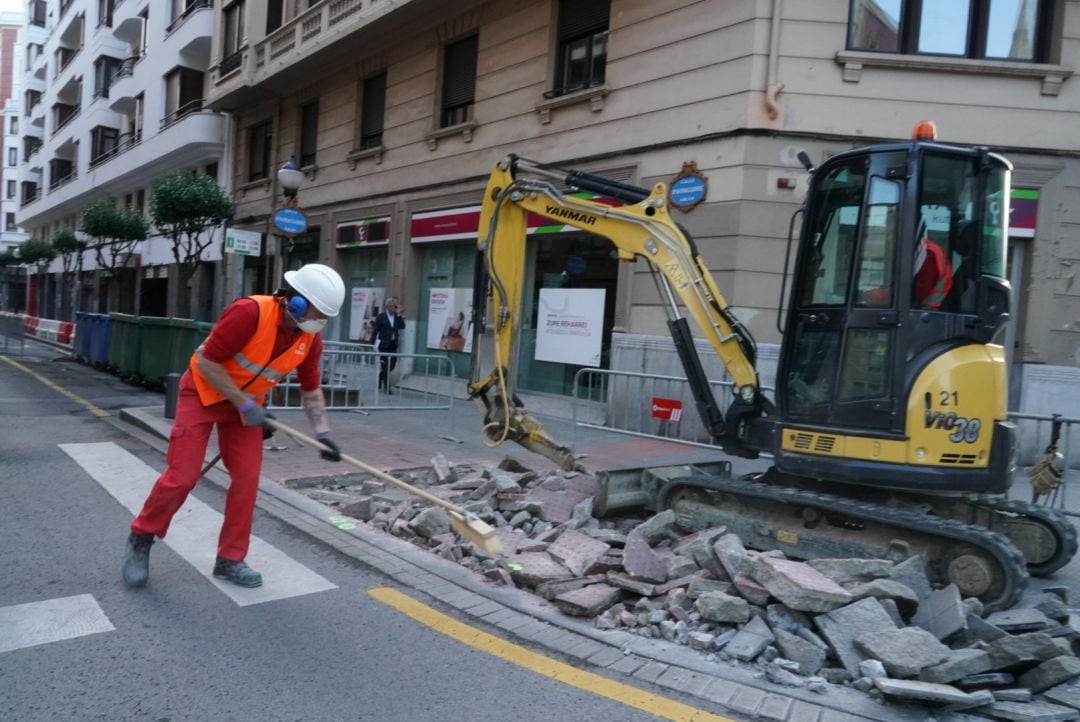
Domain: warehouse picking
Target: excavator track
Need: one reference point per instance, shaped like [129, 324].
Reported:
[809, 524]
[1057, 545]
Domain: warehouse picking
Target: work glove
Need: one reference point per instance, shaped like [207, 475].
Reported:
[332, 452]
[253, 414]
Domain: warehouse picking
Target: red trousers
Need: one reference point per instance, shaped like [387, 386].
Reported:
[241, 450]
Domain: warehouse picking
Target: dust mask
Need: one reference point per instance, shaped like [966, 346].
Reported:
[312, 325]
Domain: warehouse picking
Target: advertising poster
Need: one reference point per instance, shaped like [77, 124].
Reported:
[570, 325]
[450, 319]
[364, 307]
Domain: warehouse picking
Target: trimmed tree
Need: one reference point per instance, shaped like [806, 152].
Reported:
[114, 234]
[70, 248]
[39, 254]
[188, 208]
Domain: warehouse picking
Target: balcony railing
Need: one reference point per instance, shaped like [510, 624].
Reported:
[65, 59]
[61, 122]
[102, 92]
[190, 10]
[29, 198]
[230, 63]
[124, 141]
[305, 28]
[126, 69]
[192, 106]
[31, 150]
[63, 180]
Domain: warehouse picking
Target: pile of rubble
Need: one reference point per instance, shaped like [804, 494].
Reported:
[869, 623]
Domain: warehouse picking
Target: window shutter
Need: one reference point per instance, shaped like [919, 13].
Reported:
[371, 120]
[459, 73]
[581, 17]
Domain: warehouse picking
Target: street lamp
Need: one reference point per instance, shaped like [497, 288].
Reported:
[290, 177]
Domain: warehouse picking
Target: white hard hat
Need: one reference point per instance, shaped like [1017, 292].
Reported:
[319, 284]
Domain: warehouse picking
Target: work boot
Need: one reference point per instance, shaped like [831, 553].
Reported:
[237, 572]
[137, 559]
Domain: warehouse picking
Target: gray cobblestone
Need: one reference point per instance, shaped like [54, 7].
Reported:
[720, 691]
[651, 671]
[803, 712]
[498, 616]
[629, 664]
[605, 657]
[585, 649]
[486, 606]
[775, 707]
[684, 680]
[747, 700]
[514, 621]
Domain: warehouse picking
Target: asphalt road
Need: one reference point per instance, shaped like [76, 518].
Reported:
[182, 649]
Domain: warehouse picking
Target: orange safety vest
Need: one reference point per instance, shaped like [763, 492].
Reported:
[252, 369]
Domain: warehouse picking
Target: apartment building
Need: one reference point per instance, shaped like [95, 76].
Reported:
[113, 99]
[10, 77]
[397, 110]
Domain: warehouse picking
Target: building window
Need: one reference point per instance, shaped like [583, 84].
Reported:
[103, 143]
[10, 190]
[144, 16]
[309, 132]
[372, 111]
[274, 15]
[260, 147]
[105, 12]
[140, 201]
[582, 50]
[233, 37]
[13, 125]
[1016, 30]
[37, 13]
[183, 93]
[12, 156]
[9, 221]
[459, 81]
[105, 69]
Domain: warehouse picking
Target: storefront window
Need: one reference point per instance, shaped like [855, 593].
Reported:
[364, 273]
[445, 304]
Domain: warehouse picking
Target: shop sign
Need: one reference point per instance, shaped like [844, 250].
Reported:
[243, 243]
[669, 409]
[450, 319]
[456, 224]
[364, 307]
[688, 188]
[1023, 208]
[365, 232]
[570, 325]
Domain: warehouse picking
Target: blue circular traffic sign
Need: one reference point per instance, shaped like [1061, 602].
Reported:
[688, 190]
[290, 220]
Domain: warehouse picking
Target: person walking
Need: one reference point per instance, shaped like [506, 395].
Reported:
[388, 326]
[256, 343]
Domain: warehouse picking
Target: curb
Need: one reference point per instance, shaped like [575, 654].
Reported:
[532, 619]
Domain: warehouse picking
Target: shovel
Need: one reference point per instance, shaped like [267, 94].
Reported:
[465, 523]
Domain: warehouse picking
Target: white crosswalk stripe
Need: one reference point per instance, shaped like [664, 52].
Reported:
[194, 530]
[52, 620]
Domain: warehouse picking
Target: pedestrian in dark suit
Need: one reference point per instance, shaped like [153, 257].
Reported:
[388, 327]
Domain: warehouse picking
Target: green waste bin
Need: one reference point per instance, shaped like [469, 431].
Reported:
[160, 336]
[188, 335]
[125, 342]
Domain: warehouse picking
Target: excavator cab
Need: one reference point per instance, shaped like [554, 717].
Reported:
[892, 371]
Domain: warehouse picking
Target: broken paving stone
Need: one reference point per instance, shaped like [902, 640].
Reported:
[1021, 619]
[487, 488]
[809, 657]
[551, 589]
[912, 574]
[942, 613]
[1028, 712]
[535, 568]
[889, 589]
[872, 669]
[702, 641]
[641, 561]
[1067, 694]
[842, 626]
[776, 673]
[581, 515]
[721, 607]
[960, 663]
[1022, 650]
[729, 549]
[588, 601]
[781, 617]
[604, 564]
[750, 641]
[608, 536]
[798, 585]
[679, 566]
[751, 591]
[928, 692]
[699, 547]
[835, 675]
[679, 583]
[1053, 607]
[847, 571]
[988, 679]
[1051, 673]
[576, 551]
[658, 527]
[637, 586]
[553, 483]
[701, 586]
[444, 473]
[532, 545]
[517, 520]
[904, 652]
[1012, 695]
[361, 509]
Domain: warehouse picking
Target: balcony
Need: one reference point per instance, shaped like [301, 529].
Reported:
[189, 35]
[64, 178]
[327, 33]
[193, 7]
[63, 115]
[186, 109]
[124, 143]
[29, 197]
[127, 25]
[63, 59]
[123, 89]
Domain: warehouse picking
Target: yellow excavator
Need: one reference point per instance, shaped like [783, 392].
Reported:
[888, 429]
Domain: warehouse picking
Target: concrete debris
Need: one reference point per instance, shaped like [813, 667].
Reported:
[875, 625]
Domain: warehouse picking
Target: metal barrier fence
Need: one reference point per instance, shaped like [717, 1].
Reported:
[615, 401]
[12, 332]
[350, 380]
[636, 404]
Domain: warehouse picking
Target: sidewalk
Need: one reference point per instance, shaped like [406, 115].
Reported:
[409, 439]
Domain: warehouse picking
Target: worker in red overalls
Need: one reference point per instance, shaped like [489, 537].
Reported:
[933, 275]
[257, 342]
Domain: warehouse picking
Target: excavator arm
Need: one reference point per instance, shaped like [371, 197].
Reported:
[642, 228]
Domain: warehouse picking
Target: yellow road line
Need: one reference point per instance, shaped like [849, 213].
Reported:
[534, 662]
[95, 410]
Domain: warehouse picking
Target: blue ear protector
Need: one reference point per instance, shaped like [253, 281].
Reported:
[298, 306]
